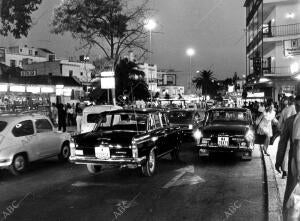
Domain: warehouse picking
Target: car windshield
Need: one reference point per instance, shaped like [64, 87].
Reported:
[176, 117]
[2, 125]
[93, 118]
[228, 116]
[122, 121]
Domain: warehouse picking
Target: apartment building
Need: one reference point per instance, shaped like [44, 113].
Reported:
[17, 56]
[272, 46]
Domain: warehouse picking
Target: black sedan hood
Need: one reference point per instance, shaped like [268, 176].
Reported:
[227, 129]
[123, 138]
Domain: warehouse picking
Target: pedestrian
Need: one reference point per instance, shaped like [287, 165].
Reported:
[265, 126]
[79, 110]
[69, 115]
[54, 114]
[290, 133]
[61, 117]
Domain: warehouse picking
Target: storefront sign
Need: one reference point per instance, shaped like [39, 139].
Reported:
[47, 90]
[3, 87]
[107, 82]
[17, 88]
[33, 89]
[28, 73]
[292, 47]
[256, 94]
[288, 88]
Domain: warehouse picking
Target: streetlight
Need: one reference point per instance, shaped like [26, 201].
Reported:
[150, 24]
[190, 52]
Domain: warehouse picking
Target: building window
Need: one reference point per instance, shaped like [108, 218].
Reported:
[81, 73]
[30, 52]
[13, 63]
[36, 53]
[50, 74]
[70, 73]
[21, 50]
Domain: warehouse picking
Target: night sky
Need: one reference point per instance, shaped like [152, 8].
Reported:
[214, 28]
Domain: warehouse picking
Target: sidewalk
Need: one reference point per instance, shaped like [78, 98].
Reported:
[276, 185]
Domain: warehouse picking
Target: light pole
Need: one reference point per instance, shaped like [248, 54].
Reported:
[150, 24]
[190, 52]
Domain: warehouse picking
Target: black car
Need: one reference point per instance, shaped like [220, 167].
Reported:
[226, 130]
[127, 138]
[186, 119]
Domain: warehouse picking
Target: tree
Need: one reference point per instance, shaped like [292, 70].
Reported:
[16, 16]
[109, 25]
[207, 82]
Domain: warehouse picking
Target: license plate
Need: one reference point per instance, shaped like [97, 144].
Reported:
[223, 141]
[102, 153]
[78, 152]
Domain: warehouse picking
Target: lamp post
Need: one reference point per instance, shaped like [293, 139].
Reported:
[190, 52]
[150, 24]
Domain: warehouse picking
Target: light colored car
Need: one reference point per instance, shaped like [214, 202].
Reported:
[29, 137]
[91, 114]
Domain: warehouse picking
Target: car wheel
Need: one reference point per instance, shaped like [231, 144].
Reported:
[148, 169]
[19, 164]
[175, 153]
[93, 169]
[64, 152]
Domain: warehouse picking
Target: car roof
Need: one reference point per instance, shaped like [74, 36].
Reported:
[100, 108]
[137, 111]
[9, 117]
[229, 109]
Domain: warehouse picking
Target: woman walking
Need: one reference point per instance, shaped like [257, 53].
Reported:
[78, 111]
[265, 126]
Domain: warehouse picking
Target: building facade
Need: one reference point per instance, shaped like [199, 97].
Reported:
[17, 56]
[272, 46]
[150, 71]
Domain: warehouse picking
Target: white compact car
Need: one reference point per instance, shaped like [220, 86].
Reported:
[29, 137]
[91, 114]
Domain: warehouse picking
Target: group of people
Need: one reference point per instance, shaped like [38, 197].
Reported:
[288, 152]
[65, 115]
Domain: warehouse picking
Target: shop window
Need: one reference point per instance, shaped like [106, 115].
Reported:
[43, 125]
[70, 73]
[13, 63]
[36, 53]
[24, 128]
[81, 73]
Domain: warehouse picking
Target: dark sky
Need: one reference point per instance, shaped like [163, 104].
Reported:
[214, 28]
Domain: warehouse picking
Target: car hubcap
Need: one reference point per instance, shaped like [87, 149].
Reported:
[19, 163]
[65, 152]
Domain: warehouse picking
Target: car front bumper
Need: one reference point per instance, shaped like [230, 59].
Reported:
[5, 163]
[216, 148]
[112, 161]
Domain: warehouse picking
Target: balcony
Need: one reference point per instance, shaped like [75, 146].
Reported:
[282, 30]
[277, 71]
[254, 42]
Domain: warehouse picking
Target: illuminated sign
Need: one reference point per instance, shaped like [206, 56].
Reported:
[28, 73]
[108, 83]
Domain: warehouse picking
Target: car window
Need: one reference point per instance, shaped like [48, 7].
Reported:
[23, 128]
[43, 125]
[2, 125]
[151, 123]
[164, 120]
[93, 118]
[157, 121]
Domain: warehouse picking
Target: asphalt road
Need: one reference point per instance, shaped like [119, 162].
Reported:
[220, 188]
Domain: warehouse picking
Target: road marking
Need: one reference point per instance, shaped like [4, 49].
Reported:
[190, 180]
[86, 184]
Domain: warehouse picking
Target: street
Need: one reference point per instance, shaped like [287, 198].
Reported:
[219, 188]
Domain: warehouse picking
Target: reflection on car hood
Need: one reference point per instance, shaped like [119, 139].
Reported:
[228, 129]
[112, 137]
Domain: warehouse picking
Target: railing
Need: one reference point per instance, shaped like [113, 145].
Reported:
[283, 30]
[277, 70]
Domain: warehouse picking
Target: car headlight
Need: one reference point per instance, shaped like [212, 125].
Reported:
[72, 147]
[249, 135]
[190, 126]
[198, 134]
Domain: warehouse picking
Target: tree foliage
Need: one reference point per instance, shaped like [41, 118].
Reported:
[110, 25]
[16, 16]
[206, 82]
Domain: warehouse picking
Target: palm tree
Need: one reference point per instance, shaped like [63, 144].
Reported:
[206, 81]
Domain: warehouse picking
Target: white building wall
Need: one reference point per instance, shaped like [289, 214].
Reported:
[19, 58]
[80, 70]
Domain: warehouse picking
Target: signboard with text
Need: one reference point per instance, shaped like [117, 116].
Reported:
[28, 73]
[292, 47]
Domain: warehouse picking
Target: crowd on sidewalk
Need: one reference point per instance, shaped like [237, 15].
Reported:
[64, 115]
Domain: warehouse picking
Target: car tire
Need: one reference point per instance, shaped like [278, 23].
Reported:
[149, 168]
[175, 153]
[19, 164]
[64, 152]
[94, 169]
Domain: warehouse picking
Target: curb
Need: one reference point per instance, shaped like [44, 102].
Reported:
[274, 203]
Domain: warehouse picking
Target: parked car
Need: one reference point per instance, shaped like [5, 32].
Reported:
[226, 130]
[29, 137]
[186, 119]
[91, 114]
[127, 138]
